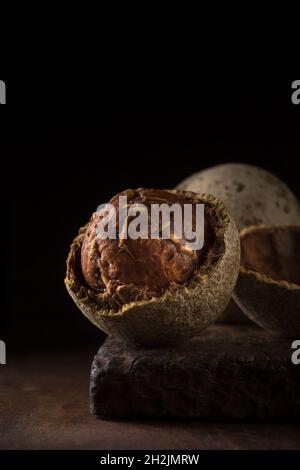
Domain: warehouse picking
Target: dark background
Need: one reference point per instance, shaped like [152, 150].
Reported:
[58, 166]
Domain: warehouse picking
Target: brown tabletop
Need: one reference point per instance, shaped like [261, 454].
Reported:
[44, 404]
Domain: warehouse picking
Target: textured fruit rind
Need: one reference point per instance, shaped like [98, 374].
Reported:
[272, 304]
[253, 195]
[175, 316]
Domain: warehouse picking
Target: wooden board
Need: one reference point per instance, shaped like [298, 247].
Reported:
[44, 404]
[230, 371]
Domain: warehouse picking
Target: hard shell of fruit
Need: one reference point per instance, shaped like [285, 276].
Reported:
[253, 195]
[174, 316]
[268, 288]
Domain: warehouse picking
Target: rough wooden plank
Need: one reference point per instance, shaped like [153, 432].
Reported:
[44, 405]
[229, 371]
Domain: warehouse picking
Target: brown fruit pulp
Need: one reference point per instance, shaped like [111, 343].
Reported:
[124, 270]
[273, 252]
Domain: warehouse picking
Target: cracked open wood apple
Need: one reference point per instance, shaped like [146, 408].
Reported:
[268, 288]
[253, 195]
[155, 291]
